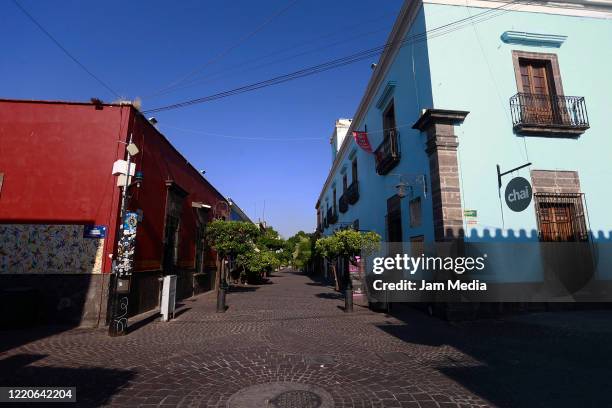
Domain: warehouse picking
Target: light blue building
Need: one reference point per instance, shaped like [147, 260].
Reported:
[469, 85]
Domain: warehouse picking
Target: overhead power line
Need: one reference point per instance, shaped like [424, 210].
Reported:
[340, 62]
[241, 66]
[226, 51]
[61, 47]
[264, 139]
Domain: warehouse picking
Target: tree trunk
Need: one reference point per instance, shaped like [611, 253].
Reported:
[218, 273]
[337, 285]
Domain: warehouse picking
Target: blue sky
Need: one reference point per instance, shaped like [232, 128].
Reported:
[139, 48]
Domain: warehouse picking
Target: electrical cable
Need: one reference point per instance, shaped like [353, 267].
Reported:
[350, 59]
[226, 51]
[61, 47]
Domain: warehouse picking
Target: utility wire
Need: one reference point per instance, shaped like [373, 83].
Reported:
[247, 67]
[61, 47]
[340, 62]
[223, 53]
[208, 78]
[267, 139]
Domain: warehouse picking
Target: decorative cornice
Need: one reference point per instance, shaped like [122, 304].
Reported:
[433, 116]
[535, 39]
[386, 94]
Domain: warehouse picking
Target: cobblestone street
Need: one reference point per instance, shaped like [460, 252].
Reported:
[293, 332]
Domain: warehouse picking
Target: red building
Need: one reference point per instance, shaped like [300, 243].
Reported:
[57, 191]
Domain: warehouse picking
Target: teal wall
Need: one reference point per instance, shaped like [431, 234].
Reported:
[472, 70]
[410, 72]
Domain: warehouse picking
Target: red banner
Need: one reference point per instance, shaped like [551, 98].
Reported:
[361, 138]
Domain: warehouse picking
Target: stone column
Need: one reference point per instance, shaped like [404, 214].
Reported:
[439, 125]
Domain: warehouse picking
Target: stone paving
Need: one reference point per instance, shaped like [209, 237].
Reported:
[292, 334]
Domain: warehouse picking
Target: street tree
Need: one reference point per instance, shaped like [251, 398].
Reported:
[330, 249]
[255, 265]
[347, 245]
[229, 239]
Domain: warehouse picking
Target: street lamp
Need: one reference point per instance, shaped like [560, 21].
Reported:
[407, 182]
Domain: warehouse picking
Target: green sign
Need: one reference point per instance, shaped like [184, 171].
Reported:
[470, 213]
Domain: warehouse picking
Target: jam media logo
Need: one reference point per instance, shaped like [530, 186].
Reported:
[518, 194]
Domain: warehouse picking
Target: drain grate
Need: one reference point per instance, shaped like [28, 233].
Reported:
[282, 394]
[296, 399]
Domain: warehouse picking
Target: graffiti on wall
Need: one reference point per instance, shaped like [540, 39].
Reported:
[48, 249]
[127, 245]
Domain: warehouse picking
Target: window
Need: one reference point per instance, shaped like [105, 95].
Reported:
[174, 208]
[538, 89]
[560, 217]
[354, 170]
[335, 209]
[415, 212]
[417, 245]
[389, 118]
[536, 76]
[394, 225]
[540, 105]
[344, 183]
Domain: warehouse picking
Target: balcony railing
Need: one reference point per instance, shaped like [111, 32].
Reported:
[332, 216]
[535, 113]
[352, 193]
[343, 203]
[388, 152]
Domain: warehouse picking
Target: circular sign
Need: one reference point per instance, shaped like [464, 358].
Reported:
[518, 194]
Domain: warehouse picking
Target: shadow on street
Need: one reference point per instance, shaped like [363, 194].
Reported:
[521, 364]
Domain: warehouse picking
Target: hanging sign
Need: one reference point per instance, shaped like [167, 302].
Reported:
[518, 194]
[361, 138]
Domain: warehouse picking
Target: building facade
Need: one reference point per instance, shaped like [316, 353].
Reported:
[465, 87]
[60, 208]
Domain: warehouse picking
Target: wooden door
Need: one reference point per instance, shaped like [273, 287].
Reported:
[538, 91]
[556, 222]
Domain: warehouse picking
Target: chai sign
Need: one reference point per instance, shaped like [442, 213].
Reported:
[518, 194]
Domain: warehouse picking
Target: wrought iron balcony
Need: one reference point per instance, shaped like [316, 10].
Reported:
[352, 193]
[332, 216]
[388, 152]
[343, 203]
[549, 114]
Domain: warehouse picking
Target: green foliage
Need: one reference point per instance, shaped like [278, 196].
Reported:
[270, 239]
[231, 238]
[302, 252]
[255, 264]
[328, 247]
[348, 244]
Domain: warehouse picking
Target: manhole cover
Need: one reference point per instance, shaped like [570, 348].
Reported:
[296, 399]
[281, 395]
[319, 359]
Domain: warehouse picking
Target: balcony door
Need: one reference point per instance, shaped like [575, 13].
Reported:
[394, 225]
[389, 119]
[539, 93]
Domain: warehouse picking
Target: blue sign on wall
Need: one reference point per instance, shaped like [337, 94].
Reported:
[94, 231]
